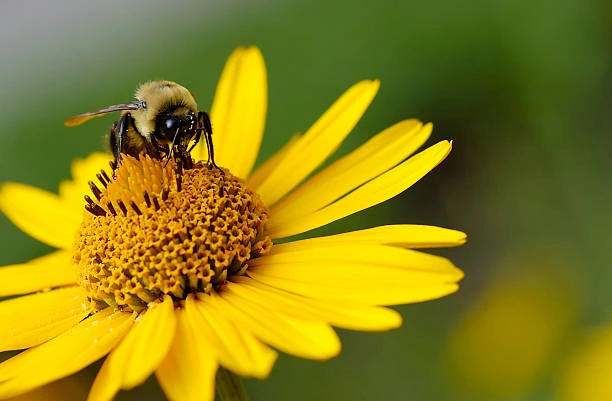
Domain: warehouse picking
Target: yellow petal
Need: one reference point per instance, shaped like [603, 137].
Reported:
[379, 154]
[320, 141]
[40, 214]
[52, 270]
[372, 193]
[305, 339]
[144, 350]
[376, 274]
[65, 354]
[33, 319]
[352, 274]
[188, 371]
[378, 294]
[139, 354]
[357, 257]
[262, 172]
[346, 315]
[402, 235]
[107, 383]
[238, 112]
[83, 170]
[238, 350]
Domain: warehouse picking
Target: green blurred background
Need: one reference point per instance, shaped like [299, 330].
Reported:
[523, 88]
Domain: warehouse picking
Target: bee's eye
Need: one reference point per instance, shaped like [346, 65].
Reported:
[172, 123]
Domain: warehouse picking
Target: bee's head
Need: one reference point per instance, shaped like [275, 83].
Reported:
[168, 107]
[178, 122]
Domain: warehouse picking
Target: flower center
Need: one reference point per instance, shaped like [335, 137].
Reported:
[154, 230]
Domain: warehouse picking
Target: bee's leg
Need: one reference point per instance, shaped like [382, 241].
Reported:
[118, 133]
[112, 142]
[205, 121]
[182, 155]
[196, 139]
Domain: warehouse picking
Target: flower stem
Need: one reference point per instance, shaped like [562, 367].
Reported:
[229, 386]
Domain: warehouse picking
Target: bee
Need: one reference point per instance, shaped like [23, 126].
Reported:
[161, 122]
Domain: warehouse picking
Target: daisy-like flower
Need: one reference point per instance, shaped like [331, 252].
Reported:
[184, 274]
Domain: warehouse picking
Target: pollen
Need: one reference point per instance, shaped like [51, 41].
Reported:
[158, 230]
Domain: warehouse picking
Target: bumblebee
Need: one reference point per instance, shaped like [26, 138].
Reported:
[161, 122]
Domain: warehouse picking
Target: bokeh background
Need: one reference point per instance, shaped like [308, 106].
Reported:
[522, 87]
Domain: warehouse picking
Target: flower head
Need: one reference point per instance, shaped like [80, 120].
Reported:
[154, 232]
[181, 272]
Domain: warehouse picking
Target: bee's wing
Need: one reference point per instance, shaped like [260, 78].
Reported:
[81, 118]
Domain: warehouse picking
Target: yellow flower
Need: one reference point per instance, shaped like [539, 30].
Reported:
[501, 347]
[587, 375]
[175, 274]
